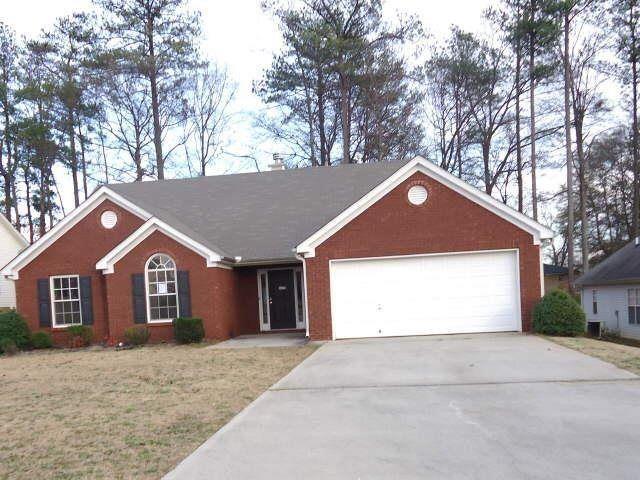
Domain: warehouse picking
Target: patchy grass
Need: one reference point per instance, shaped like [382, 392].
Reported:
[102, 413]
[623, 356]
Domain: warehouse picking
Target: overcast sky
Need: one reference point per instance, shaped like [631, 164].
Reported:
[239, 35]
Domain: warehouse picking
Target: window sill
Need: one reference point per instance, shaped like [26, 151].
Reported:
[64, 327]
[159, 323]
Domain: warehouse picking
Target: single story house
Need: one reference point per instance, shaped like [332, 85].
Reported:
[610, 292]
[11, 242]
[381, 249]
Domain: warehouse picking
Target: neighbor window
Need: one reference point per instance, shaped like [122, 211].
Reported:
[594, 294]
[633, 296]
[161, 289]
[65, 300]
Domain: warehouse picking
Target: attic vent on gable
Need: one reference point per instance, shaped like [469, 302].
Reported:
[417, 195]
[108, 219]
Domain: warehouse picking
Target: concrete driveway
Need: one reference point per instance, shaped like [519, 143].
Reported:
[457, 407]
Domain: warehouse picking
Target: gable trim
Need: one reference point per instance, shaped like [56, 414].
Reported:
[12, 269]
[419, 164]
[107, 263]
[11, 229]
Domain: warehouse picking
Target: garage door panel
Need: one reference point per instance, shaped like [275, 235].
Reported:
[432, 294]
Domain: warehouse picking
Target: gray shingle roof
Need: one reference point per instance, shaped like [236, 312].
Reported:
[555, 269]
[620, 268]
[258, 216]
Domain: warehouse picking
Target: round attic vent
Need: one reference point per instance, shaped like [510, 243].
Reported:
[417, 195]
[109, 219]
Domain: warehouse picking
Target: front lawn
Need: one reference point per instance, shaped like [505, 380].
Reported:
[102, 413]
[623, 356]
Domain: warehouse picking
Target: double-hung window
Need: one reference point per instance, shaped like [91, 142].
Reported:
[633, 303]
[594, 301]
[65, 300]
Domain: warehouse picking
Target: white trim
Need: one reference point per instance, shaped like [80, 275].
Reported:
[12, 269]
[305, 297]
[517, 266]
[16, 234]
[300, 323]
[146, 289]
[419, 164]
[52, 300]
[107, 263]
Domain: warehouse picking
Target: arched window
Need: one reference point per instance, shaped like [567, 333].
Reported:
[162, 291]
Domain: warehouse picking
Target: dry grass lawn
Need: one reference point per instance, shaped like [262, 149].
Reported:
[623, 356]
[101, 413]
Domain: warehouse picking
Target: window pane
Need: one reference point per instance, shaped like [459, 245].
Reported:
[173, 312]
[73, 282]
[162, 301]
[162, 276]
[172, 301]
[632, 315]
[155, 314]
[171, 288]
[153, 301]
[171, 276]
[164, 313]
[637, 315]
[56, 283]
[153, 288]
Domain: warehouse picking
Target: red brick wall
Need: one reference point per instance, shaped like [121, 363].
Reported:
[447, 222]
[76, 252]
[213, 290]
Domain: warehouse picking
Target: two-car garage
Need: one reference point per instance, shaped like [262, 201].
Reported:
[466, 292]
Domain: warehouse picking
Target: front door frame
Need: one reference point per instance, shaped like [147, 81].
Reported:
[264, 314]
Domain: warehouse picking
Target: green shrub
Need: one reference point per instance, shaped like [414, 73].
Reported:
[559, 314]
[188, 330]
[137, 335]
[79, 336]
[41, 340]
[13, 327]
[8, 346]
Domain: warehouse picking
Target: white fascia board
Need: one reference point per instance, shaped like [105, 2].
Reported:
[107, 263]
[419, 164]
[12, 269]
[11, 229]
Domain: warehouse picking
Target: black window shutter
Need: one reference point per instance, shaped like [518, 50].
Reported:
[139, 300]
[86, 302]
[184, 293]
[44, 302]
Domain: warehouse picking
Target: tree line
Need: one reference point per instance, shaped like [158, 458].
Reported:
[122, 93]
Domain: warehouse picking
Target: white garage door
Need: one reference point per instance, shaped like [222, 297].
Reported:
[426, 294]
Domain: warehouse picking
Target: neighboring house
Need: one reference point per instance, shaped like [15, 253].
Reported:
[11, 242]
[555, 277]
[383, 249]
[611, 292]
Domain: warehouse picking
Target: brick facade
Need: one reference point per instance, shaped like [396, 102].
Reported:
[227, 300]
[446, 222]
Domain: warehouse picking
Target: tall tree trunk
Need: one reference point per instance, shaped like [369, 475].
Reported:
[568, 146]
[532, 120]
[584, 187]
[346, 118]
[83, 164]
[517, 120]
[14, 188]
[155, 103]
[635, 141]
[73, 159]
[27, 189]
[324, 160]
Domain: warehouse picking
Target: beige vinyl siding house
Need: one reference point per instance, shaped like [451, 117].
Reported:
[11, 243]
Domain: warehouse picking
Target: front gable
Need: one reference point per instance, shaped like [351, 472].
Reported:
[81, 233]
[446, 221]
[429, 173]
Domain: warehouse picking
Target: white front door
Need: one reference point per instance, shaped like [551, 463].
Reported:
[426, 294]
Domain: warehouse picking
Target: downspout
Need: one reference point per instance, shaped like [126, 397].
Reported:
[305, 296]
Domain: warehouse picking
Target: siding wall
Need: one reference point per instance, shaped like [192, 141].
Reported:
[9, 248]
[612, 309]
